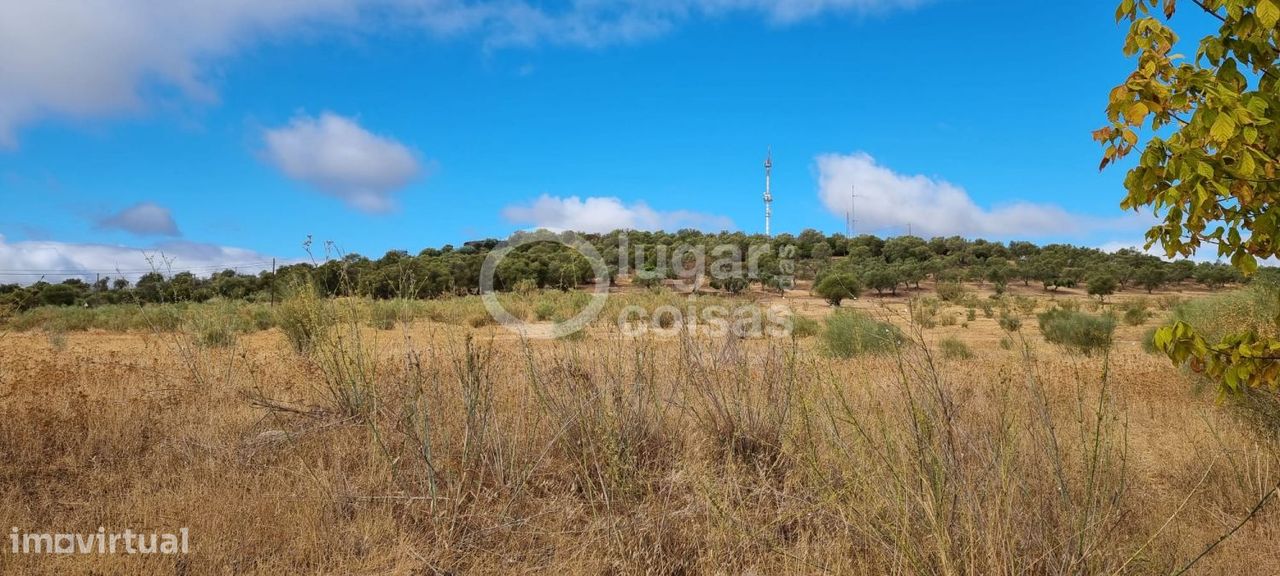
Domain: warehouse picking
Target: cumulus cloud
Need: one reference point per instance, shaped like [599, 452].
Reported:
[28, 261]
[337, 156]
[142, 219]
[935, 207]
[605, 214]
[89, 58]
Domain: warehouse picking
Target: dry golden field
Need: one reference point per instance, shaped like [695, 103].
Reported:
[452, 447]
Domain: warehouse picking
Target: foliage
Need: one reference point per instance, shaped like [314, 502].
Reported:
[1010, 323]
[950, 291]
[850, 333]
[838, 287]
[804, 326]
[1102, 285]
[1077, 331]
[953, 349]
[1211, 164]
[304, 318]
[1136, 312]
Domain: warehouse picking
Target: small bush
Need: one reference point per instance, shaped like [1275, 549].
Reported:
[1134, 316]
[948, 319]
[544, 311]
[804, 326]
[925, 312]
[304, 318]
[951, 291]
[971, 315]
[216, 335]
[1077, 331]
[525, 287]
[1006, 343]
[852, 333]
[1168, 301]
[953, 349]
[1010, 323]
[384, 315]
[262, 318]
[1025, 305]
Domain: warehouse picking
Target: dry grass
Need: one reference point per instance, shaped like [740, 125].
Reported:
[437, 448]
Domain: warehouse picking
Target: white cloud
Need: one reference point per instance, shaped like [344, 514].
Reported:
[26, 262]
[605, 214]
[143, 219]
[338, 157]
[93, 58]
[935, 207]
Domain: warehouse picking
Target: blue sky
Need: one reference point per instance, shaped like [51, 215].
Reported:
[227, 132]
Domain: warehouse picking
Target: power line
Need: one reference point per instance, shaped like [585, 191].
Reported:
[207, 267]
[207, 270]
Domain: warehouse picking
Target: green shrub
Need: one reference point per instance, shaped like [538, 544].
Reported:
[215, 327]
[544, 311]
[804, 326]
[948, 319]
[953, 349]
[384, 315]
[1135, 316]
[850, 333]
[925, 312]
[304, 318]
[216, 335]
[971, 315]
[1010, 323]
[262, 318]
[951, 291]
[838, 287]
[1006, 343]
[1077, 331]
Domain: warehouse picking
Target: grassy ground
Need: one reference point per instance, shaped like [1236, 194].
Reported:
[435, 443]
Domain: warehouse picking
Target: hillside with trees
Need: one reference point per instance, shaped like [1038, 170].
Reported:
[865, 263]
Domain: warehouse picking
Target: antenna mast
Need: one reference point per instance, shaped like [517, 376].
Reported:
[853, 214]
[768, 196]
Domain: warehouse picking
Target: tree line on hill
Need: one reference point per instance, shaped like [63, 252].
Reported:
[864, 262]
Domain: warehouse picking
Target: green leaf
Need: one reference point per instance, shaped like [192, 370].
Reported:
[1268, 13]
[1223, 128]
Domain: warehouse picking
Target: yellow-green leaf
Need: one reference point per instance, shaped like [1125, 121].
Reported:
[1268, 13]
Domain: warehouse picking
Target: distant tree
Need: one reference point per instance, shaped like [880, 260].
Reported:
[835, 288]
[882, 278]
[821, 252]
[998, 275]
[1150, 278]
[59, 295]
[1102, 284]
[733, 284]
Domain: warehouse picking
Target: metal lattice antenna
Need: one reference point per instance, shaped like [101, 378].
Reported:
[853, 207]
[768, 195]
